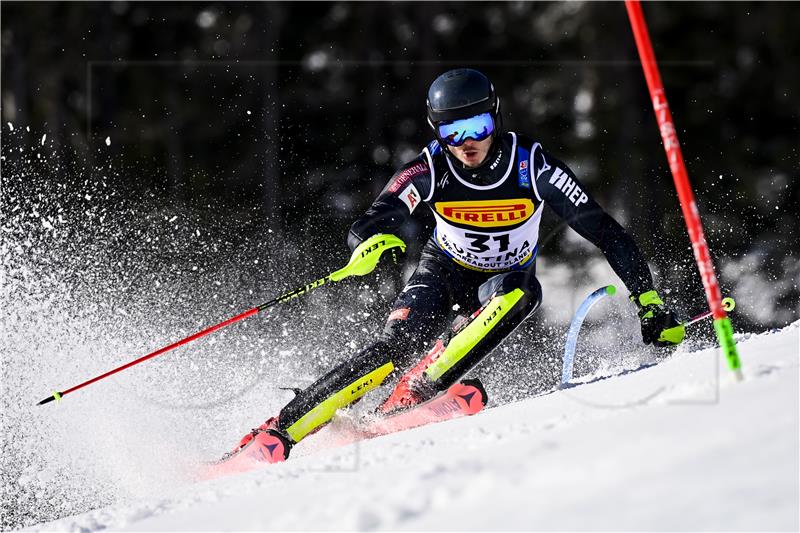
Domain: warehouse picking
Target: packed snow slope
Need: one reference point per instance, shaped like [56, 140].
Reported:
[675, 446]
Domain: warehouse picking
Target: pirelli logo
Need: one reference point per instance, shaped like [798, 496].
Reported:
[487, 213]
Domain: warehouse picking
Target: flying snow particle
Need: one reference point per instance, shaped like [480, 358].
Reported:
[249, 112]
[206, 19]
[108, 141]
[44, 137]
[11, 126]
[173, 219]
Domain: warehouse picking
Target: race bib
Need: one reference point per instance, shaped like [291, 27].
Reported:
[472, 233]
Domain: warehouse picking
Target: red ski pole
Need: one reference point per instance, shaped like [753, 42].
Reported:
[203, 333]
[363, 261]
[691, 214]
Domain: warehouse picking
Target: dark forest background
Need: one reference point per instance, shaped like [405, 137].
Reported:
[165, 165]
[293, 115]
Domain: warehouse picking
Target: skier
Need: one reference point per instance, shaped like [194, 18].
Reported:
[487, 189]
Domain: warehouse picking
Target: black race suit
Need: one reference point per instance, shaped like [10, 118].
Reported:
[484, 244]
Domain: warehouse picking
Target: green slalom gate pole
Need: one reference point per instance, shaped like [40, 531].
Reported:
[669, 136]
[363, 261]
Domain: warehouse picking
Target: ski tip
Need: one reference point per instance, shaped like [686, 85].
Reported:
[611, 290]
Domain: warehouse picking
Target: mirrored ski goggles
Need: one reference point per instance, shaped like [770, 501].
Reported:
[456, 132]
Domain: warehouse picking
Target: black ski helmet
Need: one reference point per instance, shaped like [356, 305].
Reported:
[462, 93]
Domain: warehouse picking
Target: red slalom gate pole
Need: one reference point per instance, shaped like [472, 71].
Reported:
[669, 136]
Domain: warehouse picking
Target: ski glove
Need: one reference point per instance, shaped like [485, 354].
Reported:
[659, 325]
